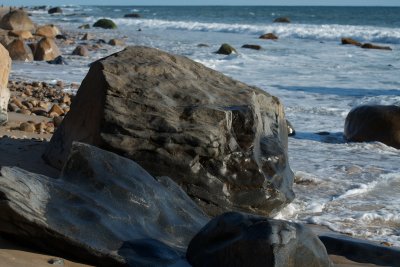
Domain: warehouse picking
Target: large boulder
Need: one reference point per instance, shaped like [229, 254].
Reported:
[104, 210]
[374, 123]
[46, 49]
[240, 240]
[5, 67]
[17, 20]
[223, 141]
[50, 31]
[20, 51]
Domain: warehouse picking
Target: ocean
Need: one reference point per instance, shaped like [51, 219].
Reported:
[352, 188]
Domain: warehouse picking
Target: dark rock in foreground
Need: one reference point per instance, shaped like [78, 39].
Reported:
[240, 240]
[374, 123]
[103, 210]
[372, 46]
[223, 141]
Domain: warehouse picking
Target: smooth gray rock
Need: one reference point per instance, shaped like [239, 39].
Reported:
[241, 240]
[374, 123]
[223, 141]
[104, 210]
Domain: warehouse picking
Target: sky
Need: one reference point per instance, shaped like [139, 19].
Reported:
[204, 2]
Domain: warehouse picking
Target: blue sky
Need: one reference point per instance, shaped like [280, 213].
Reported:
[206, 2]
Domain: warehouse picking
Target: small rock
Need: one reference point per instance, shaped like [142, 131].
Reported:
[40, 127]
[39, 111]
[12, 107]
[269, 36]
[290, 129]
[66, 99]
[61, 37]
[56, 109]
[203, 45]
[116, 42]
[56, 261]
[250, 46]
[132, 15]
[81, 50]
[27, 127]
[282, 20]
[88, 36]
[84, 26]
[226, 49]
[58, 61]
[24, 111]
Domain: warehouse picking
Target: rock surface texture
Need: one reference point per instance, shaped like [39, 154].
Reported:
[104, 210]
[5, 67]
[374, 123]
[20, 51]
[240, 240]
[223, 141]
[46, 49]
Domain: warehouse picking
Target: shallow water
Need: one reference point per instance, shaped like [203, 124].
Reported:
[350, 187]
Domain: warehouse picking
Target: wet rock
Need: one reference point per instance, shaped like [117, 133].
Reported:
[27, 127]
[61, 37]
[25, 35]
[250, 46]
[282, 20]
[20, 51]
[372, 46]
[349, 41]
[50, 31]
[226, 49]
[17, 20]
[132, 15]
[105, 24]
[374, 123]
[269, 36]
[88, 36]
[104, 210]
[234, 239]
[223, 141]
[5, 40]
[81, 50]
[58, 61]
[46, 50]
[84, 26]
[291, 130]
[203, 45]
[5, 68]
[116, 42]
[55, 10]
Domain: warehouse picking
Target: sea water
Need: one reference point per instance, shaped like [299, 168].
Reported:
[352, 188]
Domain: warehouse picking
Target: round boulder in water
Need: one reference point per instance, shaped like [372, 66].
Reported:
[226, 49]
[374, 123]
[105, 24]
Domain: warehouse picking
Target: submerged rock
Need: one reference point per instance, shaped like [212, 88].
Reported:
[5, 68]
[372, 46]
[104, 210]
[226, 49]
[55, 10]
[81, 50]
[374, 123]
[282, 20]
[250, 46]
[269, 36]
[132, 15]
[349, 41]
[223, 141]
[58, 61]
[241, 240]
[105, 24]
